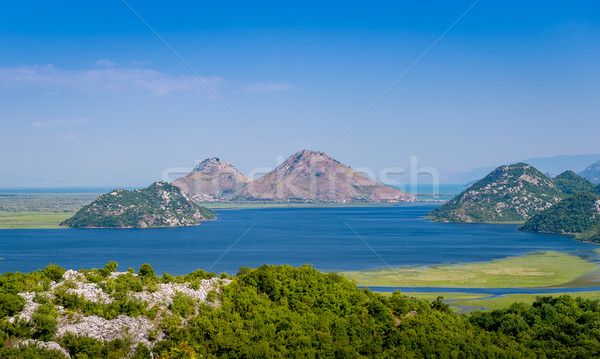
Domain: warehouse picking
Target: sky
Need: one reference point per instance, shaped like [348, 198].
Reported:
[124, 93]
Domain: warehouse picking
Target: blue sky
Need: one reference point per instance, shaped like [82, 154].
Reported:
[89, 95]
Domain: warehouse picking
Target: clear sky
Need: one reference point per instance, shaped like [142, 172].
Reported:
[89, 94]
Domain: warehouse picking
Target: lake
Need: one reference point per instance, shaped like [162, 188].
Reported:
[323, 237]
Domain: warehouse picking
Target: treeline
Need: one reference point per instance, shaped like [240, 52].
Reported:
[284, 311]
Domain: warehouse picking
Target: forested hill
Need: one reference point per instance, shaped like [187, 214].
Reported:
[569, 182]
[508, 194]
[578, 214]
[269, 312]
[159, 205]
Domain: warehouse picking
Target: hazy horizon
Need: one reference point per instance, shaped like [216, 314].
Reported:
[114, 94]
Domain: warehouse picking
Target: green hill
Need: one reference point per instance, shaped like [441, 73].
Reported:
[576, 214]
[569, 182]
[508, 194]
[159, 205]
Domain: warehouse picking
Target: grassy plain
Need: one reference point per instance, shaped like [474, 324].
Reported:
[539, 269]
[14, 220]
[40, 210]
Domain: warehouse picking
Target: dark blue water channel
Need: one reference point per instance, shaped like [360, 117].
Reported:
[331, 239]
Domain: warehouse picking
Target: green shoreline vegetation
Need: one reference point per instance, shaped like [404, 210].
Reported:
[505, 301]
[477, 301]
[541, 269]
[282, 311]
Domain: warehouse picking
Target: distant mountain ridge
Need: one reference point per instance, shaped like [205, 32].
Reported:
[550, 165]
[212, 180]
[510, 193]
[592, 173]
[306, 176]
[159, 205]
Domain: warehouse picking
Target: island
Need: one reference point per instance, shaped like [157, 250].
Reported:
[159, 205]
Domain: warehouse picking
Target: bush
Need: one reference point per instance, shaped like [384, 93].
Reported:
[44, 322]
[10, 304]
[141, 352]
[109, 268]
[183, 305]
[84, 347]
[54, 272]
[146, 271]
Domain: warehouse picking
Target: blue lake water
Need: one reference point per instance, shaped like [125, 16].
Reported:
[323, 237]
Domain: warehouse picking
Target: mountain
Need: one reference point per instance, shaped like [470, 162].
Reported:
[159, 205]
[575, 214]
[550, 165]
[508, 194]
[592, 173]
[310, 176]
[212, 180]
[570, 183]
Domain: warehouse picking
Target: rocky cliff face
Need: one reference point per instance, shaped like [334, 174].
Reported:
[159, 205]
[508, 194]
[310, 176]
[592, 173]
[212, 180]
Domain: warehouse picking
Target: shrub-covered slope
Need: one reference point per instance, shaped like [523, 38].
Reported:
[159, 205]
[508, 194]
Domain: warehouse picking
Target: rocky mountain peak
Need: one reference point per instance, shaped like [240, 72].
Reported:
[211, 165]
[212, 180]
[312, 176]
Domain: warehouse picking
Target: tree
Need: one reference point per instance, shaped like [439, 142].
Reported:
[146, 271]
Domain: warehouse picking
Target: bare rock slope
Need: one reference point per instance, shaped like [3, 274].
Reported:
[310, 176]
[212, 180]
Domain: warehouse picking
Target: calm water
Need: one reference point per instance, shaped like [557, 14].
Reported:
[323, 237]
